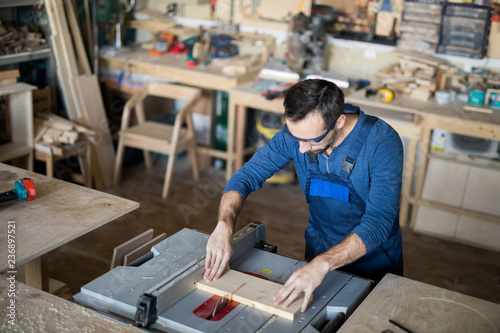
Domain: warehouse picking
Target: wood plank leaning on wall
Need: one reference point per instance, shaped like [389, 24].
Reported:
[77, 87]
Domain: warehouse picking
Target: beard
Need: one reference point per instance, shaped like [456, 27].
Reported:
[328, 145]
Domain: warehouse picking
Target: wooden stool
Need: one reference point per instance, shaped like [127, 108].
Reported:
[82, 149]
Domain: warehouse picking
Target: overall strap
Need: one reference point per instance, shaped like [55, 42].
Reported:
[356, 146]
[313, 161]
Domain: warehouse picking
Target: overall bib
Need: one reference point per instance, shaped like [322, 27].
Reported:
[335, 209]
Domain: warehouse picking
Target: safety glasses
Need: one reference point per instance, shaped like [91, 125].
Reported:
[317, 139]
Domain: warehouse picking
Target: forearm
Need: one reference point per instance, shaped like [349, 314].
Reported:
[347, 251]
[229, 208]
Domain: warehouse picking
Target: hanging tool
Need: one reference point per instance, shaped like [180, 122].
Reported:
[24, 189]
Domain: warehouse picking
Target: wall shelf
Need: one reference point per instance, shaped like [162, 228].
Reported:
[19, 3]
[15, 58]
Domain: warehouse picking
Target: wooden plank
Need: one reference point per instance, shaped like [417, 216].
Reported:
[11, 74]
[64, 54]
[77, 38]
[143, 249]
[421, 308]
[95, 118]
[251, 291]
[152, 25]
[121, 250]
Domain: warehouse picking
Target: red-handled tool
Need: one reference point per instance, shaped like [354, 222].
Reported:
[24, 189]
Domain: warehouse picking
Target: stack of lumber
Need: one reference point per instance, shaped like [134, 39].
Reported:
[238, 65]
[80, 88]
[57, 135]
[42, 100]
[415, 75]
[15, 40]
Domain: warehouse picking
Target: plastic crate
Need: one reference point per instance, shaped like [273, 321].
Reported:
[420, 28]
[460, 23]
[423, 8]
[420, 37]
[462, 11]
[459, 51]
[462, 42]
[420, 17]
[417, 45]
[447, 32]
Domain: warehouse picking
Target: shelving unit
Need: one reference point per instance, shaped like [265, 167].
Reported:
[15, 58]
[21, 123]
[459, 200]
[19, 3]
[11, 60]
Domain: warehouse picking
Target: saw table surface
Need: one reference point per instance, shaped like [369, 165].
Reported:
[420, 307]
[170, 279]
[61, 212]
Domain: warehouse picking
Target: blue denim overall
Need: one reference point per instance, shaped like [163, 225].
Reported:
[335, 209]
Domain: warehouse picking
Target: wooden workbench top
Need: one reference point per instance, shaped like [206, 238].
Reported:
[173, 67]
[60, 212]
[38, 311]
[420, 307]
[403, 103]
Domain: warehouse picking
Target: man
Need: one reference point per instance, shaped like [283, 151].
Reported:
[349, 166]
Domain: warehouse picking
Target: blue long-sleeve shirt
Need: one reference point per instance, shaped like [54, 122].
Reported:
[376, 176]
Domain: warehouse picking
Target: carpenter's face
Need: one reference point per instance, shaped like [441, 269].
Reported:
[312, 133]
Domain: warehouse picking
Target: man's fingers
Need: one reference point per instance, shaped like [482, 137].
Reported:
[296, 292]
[307, 297]
[208, 258]
[283, 292]
[216, 265]
[222, 266]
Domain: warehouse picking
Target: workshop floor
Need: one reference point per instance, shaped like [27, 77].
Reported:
[284, 212]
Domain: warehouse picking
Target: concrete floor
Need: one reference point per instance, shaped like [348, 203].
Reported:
[284, 212]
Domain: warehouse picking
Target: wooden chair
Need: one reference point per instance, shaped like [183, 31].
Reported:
[158, 137]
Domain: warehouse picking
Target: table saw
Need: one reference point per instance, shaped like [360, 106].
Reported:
[158, 291]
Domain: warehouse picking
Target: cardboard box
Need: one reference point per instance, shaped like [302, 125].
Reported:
[494, 41]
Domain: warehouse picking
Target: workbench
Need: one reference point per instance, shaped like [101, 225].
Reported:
[420, 307]
[37, 311]
[60, 212]
[172, 67]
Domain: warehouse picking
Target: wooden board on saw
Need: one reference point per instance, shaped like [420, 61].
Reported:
[143, 249]
[121, 250]
[251, 291]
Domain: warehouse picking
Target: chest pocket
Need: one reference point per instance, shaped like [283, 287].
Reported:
[322, 188]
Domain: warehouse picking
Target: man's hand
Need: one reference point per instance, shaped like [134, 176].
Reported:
[305, 279]
[219, 251]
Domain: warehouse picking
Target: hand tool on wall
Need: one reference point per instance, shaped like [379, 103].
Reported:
[24, 189]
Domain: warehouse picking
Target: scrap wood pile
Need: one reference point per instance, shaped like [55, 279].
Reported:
[16, 40]
[59, 136]
[417, 75]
